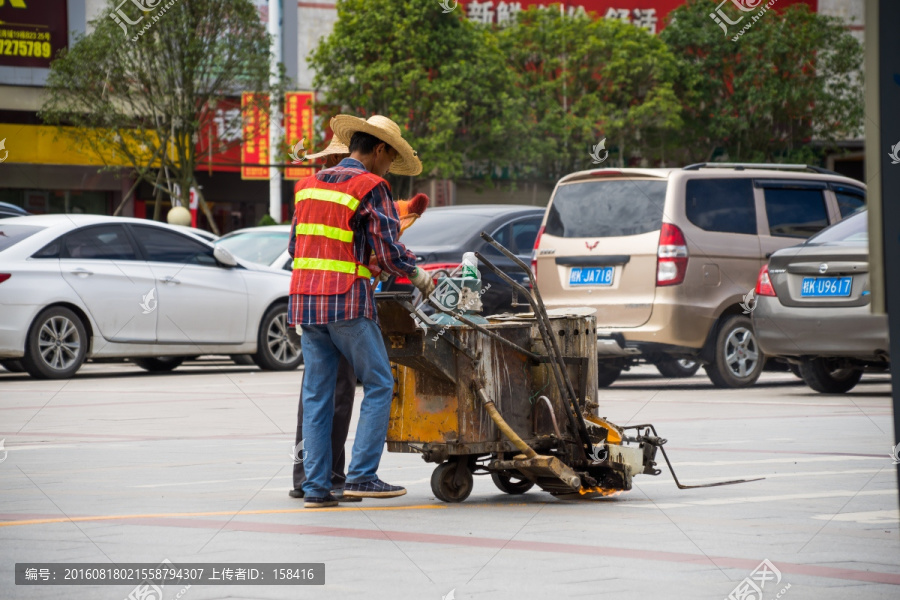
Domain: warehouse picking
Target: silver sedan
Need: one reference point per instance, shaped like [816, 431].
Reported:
[813, 308]
[81, 286]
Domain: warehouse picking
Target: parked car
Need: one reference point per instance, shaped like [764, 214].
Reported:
[206, 236]
[813, 307]
[667, 255]
[266, 245]
[442, 234]
[11, 210]
[83, 286]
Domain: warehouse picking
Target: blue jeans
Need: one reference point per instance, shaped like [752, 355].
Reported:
[360, 341]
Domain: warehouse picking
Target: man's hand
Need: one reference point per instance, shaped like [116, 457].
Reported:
[422, 280]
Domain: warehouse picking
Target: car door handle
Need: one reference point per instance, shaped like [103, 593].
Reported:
[169, 279]
[82, 272]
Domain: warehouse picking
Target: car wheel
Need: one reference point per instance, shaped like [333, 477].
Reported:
[828, 377]
[275, 349]
[795, 369]
[739, 361]
[12, 365]
[56, 344]
[242, 359]
[159, 364]
[607, 372]
[677, 367]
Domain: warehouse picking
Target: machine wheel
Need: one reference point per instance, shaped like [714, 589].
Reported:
[445, 486]
[275, 350]
[826, 376]
[56, 345]
[677, 368]
[242, 359]
[607, 372]
[509, 482]
[12, 365]
[739, 361]
[159, 364]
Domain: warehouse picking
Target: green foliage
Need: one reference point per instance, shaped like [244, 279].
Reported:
[440, 77]
[266, 220]
[144, 94]
[763, 96]
[584, 80]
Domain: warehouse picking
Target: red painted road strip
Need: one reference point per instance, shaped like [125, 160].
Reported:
[546, 547]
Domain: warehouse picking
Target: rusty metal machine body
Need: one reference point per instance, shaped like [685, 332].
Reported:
[514, 398]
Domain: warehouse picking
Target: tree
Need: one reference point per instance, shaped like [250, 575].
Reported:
[145, 96]
[764, 94]
[584, 80]
[439, 76]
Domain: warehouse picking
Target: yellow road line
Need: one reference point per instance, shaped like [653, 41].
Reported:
[215, 514]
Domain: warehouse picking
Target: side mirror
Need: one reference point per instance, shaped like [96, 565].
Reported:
[224, 257]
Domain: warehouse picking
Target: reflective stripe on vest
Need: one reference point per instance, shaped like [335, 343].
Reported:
[327, 196]
[334, 233]
[338, 266]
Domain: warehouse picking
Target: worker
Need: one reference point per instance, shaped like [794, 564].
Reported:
[345, 381]
[342, 215]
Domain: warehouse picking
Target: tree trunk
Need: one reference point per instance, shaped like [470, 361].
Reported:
[201, 202]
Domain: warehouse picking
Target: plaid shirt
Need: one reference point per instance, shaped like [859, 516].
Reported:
[376, 227]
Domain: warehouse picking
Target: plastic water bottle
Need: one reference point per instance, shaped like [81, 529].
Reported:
[470, 266]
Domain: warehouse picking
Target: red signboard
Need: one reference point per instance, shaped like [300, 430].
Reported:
[32, 32]
[255, 149]
[647, 14]
[298, 129]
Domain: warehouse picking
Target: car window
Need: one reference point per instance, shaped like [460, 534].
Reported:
[11, 234]
[101, 242]
[608, 208]
[849, 202]
[725, 205]
[524, 232]
[795, 212]
[503, 237]
[852, 229]
[261, 247]
[161, 245]
[436, 228]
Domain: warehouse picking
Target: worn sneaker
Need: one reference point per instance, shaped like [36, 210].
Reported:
[319, 502]
[373, 489]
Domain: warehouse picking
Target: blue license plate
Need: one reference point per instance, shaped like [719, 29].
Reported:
[817, 287]
[591, 276]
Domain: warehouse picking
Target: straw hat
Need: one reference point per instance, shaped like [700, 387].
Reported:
[407, 161]
[335, 147]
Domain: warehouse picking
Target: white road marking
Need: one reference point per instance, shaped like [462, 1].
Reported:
[642, 482]
[874, 517]
[773, 461]
[757, 499]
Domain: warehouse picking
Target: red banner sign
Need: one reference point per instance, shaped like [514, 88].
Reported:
[298, 129]
[32, 32]
[255, 149]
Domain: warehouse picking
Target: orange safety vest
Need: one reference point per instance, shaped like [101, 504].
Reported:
[324, 262]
